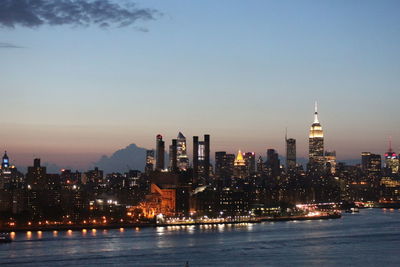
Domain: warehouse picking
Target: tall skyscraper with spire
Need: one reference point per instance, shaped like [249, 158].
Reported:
[5, 173]
[316, 144]
[392, 161]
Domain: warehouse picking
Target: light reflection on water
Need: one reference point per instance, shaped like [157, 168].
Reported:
[12, 235]
[69, 233]
[375, 234]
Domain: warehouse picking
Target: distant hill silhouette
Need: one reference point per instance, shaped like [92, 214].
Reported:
[131, 157]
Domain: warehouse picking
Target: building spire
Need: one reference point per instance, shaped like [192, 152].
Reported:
[316, 113]
[239, 161]
[286, 134]
[390, 144]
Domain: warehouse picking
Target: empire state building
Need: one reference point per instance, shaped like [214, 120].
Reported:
[316, 144]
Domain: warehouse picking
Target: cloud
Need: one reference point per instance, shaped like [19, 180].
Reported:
[102, 13]
[8, 45]
[130, 157]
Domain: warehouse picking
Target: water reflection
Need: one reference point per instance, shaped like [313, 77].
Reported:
[160, 230]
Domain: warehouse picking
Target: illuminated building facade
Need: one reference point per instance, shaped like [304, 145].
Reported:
[182, 157]
[158, 201]
[5, 163]
[371, 163]
[94, 176]
[12, 197]
[160, 153]
[316, 145]
[201, 158]
[5, 172]
[233, 202]
[330, 161]
[150, 161]
[240, 169]
[390, 190]
[392, 162]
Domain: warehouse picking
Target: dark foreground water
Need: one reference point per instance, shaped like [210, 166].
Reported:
[369, 238]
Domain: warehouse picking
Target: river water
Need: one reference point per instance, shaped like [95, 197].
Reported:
[369, 238]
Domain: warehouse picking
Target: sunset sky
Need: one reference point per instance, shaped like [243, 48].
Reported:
[241, 71]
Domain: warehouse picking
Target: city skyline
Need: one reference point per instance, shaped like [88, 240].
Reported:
[76, 93]
[233, 148]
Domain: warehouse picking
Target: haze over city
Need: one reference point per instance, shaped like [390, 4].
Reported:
[237, 71]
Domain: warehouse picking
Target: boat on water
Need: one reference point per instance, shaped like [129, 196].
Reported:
[355, 209]
[5, 238]
[352, 210]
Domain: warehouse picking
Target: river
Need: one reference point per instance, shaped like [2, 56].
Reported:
[368, 238]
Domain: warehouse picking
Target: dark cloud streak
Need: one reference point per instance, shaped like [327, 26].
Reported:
[8, 45]
[103, 13]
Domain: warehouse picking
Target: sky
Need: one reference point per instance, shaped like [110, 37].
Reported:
[241, 71]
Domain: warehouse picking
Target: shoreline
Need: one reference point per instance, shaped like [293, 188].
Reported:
[146, 225]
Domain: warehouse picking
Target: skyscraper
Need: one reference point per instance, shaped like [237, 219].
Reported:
[240, 170]
[195, 157]
[207, 155]
[201, 157]
[316, 145]
[250, 161]
[173, 155]
[160, 151]
[371, 163]
[392, 163]
[183, 160]
[273, 164]
[5, 172]
[220, 157]
[260, 166]
[36, 176]
[290, 153]
[330, 159]
[224, 165]
[150, 160]
[5, 163]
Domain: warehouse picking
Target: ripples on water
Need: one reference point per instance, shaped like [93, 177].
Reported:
[369, 238]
